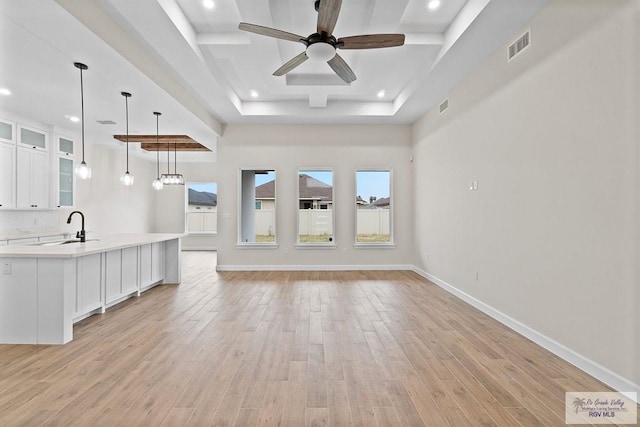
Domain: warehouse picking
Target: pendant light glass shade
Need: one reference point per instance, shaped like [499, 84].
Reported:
[157, 183]
[83, 171]
[127, 178]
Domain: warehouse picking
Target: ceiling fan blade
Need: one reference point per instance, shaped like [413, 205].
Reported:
[270, 32]
[291, 64]
[328, 15]
[342, 69]
[371, 41]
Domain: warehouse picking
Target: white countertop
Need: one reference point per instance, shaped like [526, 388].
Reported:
[91, 246]
[30, 234]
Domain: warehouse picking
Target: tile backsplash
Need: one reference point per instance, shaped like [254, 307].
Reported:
[28, 221]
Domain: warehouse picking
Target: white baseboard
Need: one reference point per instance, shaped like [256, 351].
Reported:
[592, 368]
[313, 267]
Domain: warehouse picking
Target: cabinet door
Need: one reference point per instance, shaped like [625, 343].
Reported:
[31, 137]
[157, 262]
[145, 266]
[23, 187]
[88, 283]
[32, 189]
[65, 181]
[113, 283]
[39, 179]
[129, 270]
[8, 177]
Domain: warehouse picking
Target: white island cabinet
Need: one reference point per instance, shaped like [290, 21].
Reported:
[45, 289]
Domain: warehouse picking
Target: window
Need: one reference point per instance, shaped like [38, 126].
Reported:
[373, 206]
[257, 222]
[202, 207]
[315, 206]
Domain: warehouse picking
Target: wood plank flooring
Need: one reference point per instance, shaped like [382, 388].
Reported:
[291, 349]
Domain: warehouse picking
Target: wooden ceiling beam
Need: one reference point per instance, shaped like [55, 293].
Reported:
[148, 142]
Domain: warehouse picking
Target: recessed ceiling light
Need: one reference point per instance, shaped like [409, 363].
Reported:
[433, 4]
[381, 94]
[74, 119]
[5, 91]
[209, 4]
[254, 94]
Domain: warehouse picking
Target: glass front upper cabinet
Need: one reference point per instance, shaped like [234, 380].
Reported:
[66, 183]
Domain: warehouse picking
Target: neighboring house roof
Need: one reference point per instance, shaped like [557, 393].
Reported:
[385, 201]
[309, 187]
[266, 190]
[202, 198]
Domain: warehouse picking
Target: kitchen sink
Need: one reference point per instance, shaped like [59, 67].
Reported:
[63, 242]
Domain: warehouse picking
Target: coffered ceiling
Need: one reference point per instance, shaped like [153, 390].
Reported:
[193, 62]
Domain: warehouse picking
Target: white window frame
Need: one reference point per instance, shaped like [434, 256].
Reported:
[326, 245]
[368, 245]
[255, 245]
[186, 210]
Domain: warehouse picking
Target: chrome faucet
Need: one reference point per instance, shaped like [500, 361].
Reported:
[82, 235]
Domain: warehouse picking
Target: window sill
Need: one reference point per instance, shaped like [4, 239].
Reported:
[304, 246]
[257, 246]
[374, 246]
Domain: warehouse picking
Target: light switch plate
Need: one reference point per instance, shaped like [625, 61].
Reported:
[6, 268]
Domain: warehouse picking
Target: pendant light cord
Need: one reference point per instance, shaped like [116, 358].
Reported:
[126, 103]
[82, 110]
[157, 147]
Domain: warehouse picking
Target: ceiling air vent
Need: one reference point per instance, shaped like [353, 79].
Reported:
[519, 45]
[106, 122]
[444, 105]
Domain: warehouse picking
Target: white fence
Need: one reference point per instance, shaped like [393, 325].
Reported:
[373, 221]
[315, 222]
[202, 222]
[265, 220]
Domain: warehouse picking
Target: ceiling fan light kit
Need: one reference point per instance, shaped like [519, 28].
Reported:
[321, 52]
[322, 46]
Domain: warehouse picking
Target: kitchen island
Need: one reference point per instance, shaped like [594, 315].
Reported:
[46, 288]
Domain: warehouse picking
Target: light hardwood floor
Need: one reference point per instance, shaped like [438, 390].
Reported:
[288, 348]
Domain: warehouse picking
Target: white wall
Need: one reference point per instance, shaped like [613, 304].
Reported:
[552, 230]
[289, 148]
[110, 207]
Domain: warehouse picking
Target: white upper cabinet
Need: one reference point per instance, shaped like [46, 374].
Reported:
[65, 165]
[32, 190]
[34, 138]
[32, 169]
[7, 164]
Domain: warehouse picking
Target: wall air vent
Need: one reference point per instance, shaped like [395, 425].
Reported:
[444, 105]
[519, 45]
[106, 122]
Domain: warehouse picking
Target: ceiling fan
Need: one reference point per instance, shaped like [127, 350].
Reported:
[322, 45]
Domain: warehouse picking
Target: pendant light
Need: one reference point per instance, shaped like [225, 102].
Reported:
[172, 178]
[83, 171]
[127, 178]
[157, 183]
